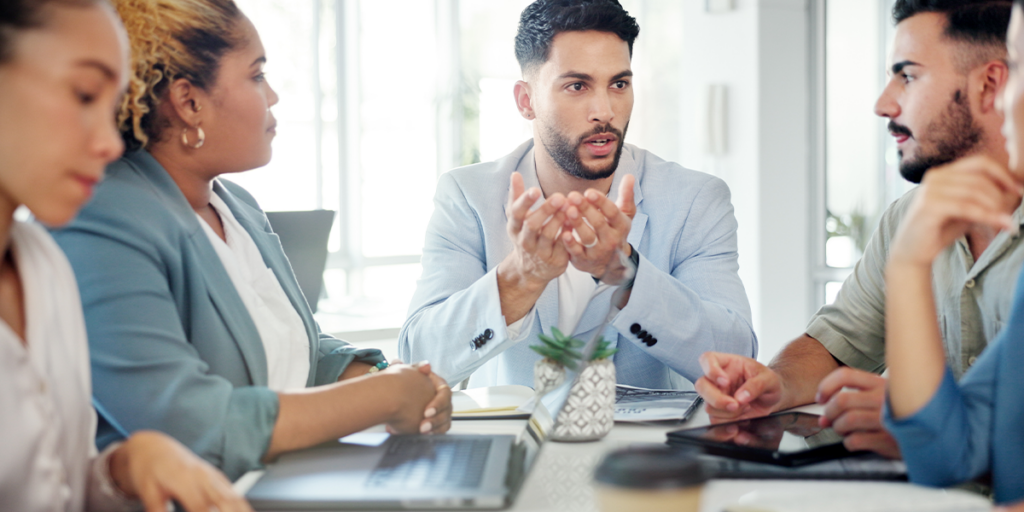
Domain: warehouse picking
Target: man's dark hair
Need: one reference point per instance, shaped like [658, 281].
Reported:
[16, 15]
[970, 21]
[542, 20]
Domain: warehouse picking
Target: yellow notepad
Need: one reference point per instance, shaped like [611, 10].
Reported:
[495, 402]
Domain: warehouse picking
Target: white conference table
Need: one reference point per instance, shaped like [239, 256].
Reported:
[562, 478]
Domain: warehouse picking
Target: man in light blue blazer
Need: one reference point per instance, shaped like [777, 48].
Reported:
[520, 246]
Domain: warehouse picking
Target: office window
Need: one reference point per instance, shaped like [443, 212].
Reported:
[858, 164]
[379, 98]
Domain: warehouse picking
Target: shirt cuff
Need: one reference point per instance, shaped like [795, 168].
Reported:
[104, 494]
[840, 347]
[515, 328]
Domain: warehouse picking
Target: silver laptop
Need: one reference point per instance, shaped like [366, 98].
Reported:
[381, 471]
[378, 471]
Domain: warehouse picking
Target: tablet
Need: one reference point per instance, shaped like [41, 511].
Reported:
[786, 439]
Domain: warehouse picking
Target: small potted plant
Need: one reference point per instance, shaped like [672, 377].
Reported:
[560, 352]
[589, 412]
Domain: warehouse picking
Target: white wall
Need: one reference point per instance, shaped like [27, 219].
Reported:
[760, 52]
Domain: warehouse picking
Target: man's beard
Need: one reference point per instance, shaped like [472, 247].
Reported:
[955, 134]
[566, 154]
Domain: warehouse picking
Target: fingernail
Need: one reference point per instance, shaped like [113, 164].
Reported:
[743, 396]
[732, 406]
[425, 427]
[722, 381]
[533, 193]
[429, 413]
[591, 195]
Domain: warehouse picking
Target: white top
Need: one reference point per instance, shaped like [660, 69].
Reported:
[48, 459]
[281, 329]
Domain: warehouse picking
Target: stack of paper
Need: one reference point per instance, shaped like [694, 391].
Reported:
[632, 404]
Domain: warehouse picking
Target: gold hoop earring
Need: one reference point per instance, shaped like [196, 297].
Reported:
[200, 138]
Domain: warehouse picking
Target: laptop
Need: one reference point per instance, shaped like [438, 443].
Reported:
[393, 472]
[390, 472]
[304, 237]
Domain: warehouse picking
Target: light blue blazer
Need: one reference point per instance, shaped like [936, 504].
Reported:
[687, 297]
[975, 426]
[173, 347]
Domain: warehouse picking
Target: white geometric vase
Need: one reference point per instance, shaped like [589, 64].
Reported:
[589, 413]
[547, 376]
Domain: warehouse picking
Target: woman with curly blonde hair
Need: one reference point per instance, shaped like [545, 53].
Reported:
[197, 324]
[62, 70]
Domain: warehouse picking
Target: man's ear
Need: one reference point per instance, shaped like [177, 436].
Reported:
[524, 100]
[992, 77]
[182, 98]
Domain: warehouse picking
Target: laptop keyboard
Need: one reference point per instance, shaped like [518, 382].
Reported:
[435, 462]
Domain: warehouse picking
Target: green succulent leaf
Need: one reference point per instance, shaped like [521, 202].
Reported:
[602, 351]
[559, 348]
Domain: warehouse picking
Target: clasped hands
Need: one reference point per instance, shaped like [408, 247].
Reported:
[585, 229]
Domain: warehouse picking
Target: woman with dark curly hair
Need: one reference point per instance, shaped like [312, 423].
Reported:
[197, 325]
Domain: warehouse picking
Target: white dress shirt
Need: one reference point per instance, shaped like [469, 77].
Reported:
[48, 459]
[282, 332]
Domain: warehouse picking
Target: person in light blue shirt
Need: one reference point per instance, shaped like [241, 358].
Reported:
[953, 432]
[523, 245]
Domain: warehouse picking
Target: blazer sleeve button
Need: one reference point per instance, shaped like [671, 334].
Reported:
[488, 334]
[635, 328]
[642, 334]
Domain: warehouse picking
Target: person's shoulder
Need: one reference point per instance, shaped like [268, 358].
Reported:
[485, 179]
[136, 194]
[894, 213]
[660, 178]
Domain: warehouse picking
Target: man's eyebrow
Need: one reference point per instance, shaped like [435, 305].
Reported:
[625, 74]
[102, 67]
[579, 76]
[897, 67]
[262, 59]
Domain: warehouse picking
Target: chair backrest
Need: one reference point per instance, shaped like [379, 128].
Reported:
[304, 237]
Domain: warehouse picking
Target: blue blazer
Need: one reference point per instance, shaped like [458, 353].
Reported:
[976, 426]
[173, 347]
[687, 297]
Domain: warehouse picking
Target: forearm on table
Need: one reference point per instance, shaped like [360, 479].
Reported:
[313, 415]
[914, 352]
[801, 366]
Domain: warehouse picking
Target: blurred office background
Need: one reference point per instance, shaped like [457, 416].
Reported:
[774, 96]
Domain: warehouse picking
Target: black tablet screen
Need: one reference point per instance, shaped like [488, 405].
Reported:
[784, 433]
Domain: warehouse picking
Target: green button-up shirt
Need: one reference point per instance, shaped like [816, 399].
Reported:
[972, 298]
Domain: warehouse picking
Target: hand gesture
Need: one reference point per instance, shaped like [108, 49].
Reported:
[538, 257]
[602, 227]
[853, 408]
[973, 190]
[736, 387]
[154, 468]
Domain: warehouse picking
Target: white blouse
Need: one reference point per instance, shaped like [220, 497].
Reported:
[281, 330]
[48, 459]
